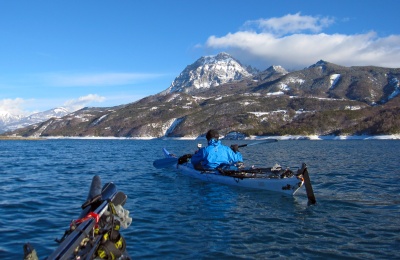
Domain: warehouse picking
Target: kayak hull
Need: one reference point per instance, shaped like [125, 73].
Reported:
[286, 185]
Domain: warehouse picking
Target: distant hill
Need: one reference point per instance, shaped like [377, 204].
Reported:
[11, 122]
[219, 92]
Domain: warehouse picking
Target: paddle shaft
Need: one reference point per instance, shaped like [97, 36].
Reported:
[263, 142]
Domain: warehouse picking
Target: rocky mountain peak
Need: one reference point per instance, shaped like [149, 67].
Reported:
[273, 72]
[320, 64]
[208, 72]
[277, 69]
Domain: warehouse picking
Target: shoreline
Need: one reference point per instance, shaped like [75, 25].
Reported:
[17, 138]
[254, 138]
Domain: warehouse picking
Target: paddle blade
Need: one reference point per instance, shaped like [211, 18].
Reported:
[307, 183]
[165, 162]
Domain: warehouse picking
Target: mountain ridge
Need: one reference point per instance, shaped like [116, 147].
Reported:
[322, 99]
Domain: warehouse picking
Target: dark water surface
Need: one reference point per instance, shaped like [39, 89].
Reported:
[356, 183]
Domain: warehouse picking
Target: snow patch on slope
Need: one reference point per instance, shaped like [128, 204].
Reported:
[96, 122]
[170, 125]
[278, 93]
[395, 82]
[334, 78]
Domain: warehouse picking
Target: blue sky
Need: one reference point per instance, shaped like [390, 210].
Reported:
[105, 53]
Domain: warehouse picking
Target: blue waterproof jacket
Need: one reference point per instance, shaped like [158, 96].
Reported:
[214, 154]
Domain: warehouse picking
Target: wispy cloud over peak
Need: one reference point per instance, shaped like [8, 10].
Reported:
[81, 102]
[95, 79]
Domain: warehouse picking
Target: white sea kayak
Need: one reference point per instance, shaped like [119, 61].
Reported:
[272, 179]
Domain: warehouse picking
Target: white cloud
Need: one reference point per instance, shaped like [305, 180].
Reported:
[273, 45]
[81, 102]
[20, 106]
[13, 106]
[95, 79]
[291, 23]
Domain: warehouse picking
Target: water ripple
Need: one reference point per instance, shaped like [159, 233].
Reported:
[43, 185]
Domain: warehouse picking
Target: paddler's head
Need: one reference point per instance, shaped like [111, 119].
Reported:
[212, 134]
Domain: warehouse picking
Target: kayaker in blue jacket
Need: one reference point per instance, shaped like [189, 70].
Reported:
[215, 153]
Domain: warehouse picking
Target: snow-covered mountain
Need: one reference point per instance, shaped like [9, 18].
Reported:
[11, 122]
[209, 71]
[6, 119]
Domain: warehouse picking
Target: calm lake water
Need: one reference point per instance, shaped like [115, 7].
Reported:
[356, 184]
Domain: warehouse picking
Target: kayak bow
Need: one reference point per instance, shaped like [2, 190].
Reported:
[95, 235]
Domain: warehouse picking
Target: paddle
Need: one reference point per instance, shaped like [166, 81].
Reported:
[171, 161]
[262, 142]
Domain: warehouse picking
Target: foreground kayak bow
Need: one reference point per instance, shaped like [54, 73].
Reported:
[95, 235]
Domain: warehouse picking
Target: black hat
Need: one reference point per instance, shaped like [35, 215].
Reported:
[212, 134]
